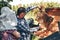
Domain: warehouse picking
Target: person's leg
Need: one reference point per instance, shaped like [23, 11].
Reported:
[16, 34]
[0, 35]
[28, 37]
[4, 36]
[12, 34]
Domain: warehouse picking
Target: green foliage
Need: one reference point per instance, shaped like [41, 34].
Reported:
[35, 37]
[9, 0]
[53, 4]
[3, 3]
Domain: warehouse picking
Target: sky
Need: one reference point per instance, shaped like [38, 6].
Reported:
[16, 2]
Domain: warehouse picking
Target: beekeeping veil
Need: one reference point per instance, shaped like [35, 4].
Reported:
[8, 19]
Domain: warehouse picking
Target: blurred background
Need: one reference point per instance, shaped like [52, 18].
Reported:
[15, 4]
